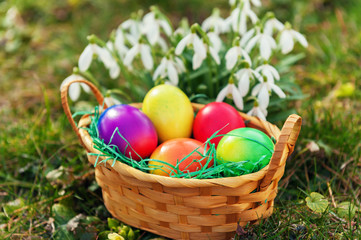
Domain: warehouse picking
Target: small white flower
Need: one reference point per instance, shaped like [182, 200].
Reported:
[231, 91]
[258, 111]
[152, 25]
[200, 51]
[183, 28]
[215, 22]
[263, 90]
[215, 41]
[266, 44]
[271, 24]
[111, 64]
[110, 101]
[238, 18]
[287, 38]
[74, 88]
[233, 54]
[134, 28]
[244, 76]
[119, 43]
[269, 71]
[169, 68]
[247, 36]
[145, 54]
[90, 50]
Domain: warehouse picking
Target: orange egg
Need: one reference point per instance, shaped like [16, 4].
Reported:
[173, 151]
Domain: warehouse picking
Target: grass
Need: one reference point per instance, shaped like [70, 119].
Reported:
[45, 179]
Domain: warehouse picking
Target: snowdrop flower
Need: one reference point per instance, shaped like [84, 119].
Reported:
[244, 77]
[152, 25]
[133, 25]
[110, 101]
[233, 54]
[183, 28]
[111, 63]
[266, 44]
[200, 51]
[74, 88]
[231, 91]
[271, 24]
[215, 22]
[263, 91]
[119, 43]
[90, 50]
[115, 236]
[215, 41]
[238, 18]
[169, 68]
[145, 54]
[269, 71]
[258, 111]
[287, 38]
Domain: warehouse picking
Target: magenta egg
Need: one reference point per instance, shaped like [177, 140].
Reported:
[133, 125]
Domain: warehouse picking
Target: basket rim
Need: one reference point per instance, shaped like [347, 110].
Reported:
[129, 171]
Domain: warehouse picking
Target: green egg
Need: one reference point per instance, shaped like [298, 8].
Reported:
[250, 146]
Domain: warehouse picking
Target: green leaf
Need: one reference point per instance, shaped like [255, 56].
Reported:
[113, 224]
[62, 213]
[346, 210]
[317, 202]
[103, 235]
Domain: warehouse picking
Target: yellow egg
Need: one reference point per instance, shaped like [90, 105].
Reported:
[170, 110]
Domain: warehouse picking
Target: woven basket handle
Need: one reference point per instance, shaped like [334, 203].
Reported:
[65, 103]
[287, 139]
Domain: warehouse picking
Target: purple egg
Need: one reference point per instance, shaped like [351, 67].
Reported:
[133, 125]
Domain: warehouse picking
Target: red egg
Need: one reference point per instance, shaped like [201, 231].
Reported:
[173, 151]
[133, 125]
[213, 117]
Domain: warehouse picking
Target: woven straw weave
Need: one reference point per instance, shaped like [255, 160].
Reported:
[190, 208]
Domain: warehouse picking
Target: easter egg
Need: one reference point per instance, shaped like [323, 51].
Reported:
[173, 151]
[213, 117]
[133, 125]
[170, 111]
[247, 145]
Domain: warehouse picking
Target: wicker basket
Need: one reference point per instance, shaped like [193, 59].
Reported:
[190, 208]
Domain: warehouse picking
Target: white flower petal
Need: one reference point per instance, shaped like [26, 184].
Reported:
[163, 44]
[300, 38]
[153, 33]
[160, 70]
[247, 36]
[199, 47]
[231, 58]
[197, 60]
[223, 93]
[286, 42]
[237, 98]
[166, 27]
[265, 48]
[263, 96]
[85, 58]
[182, 44]
[244, 82]
[250, 45]
[172, 73]
[256, 89]
[278, 91]
[273, 71]
[85, 87]
[114, 71]
[105, 56]
[214, 55]
[129, 57]
[146, 56]
[74, 91]
[179, 65]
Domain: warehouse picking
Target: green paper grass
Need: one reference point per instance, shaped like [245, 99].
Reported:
[110, 152]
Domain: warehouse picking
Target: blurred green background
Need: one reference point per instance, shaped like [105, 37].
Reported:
[44, 169]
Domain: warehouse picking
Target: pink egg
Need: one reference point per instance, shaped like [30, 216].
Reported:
[133, 125]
